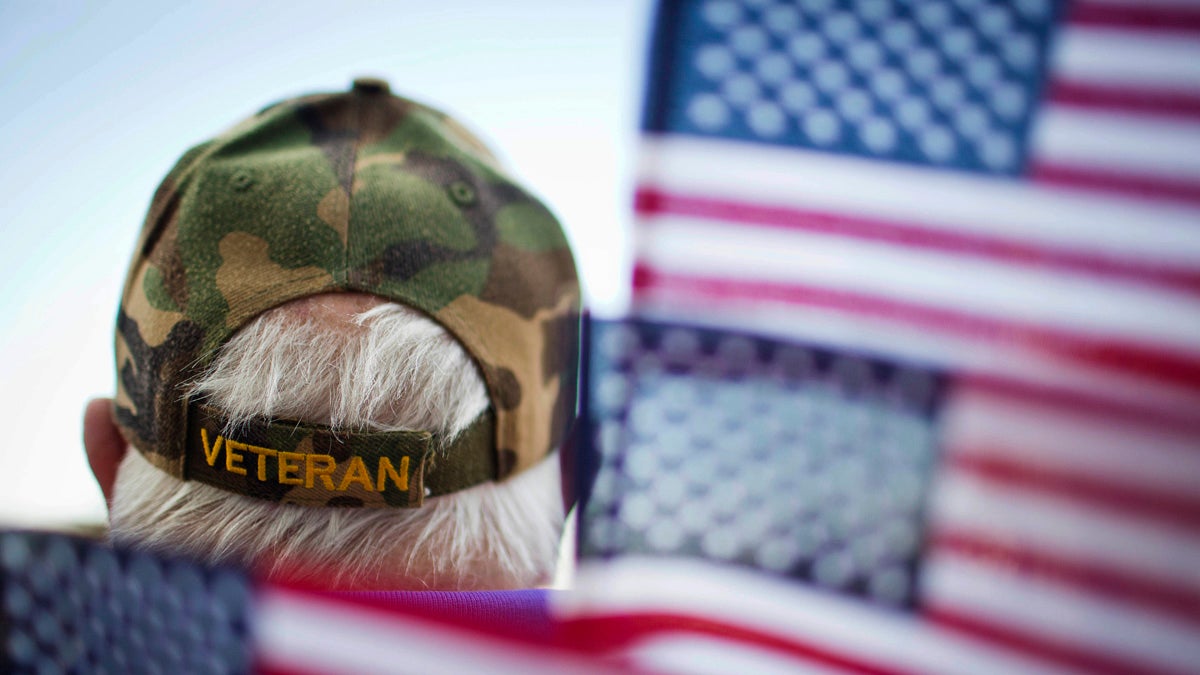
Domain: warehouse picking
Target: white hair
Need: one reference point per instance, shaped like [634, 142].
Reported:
[391, 368]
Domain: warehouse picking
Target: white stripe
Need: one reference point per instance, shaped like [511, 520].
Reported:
[742, 598]
[1120, 142]
[977, 423]
[911, 344]
[1081, 305]
[1032, 606]
[1116, 56]
[1137, 4]
[823, 327]
[315, 635]
[1067, 529]
[1100, 224]
[713, 655]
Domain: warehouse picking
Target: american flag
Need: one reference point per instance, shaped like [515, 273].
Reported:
[1002, 198]
[72, 605]
[893, 179]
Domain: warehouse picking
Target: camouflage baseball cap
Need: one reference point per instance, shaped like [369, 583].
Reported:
[360, 191]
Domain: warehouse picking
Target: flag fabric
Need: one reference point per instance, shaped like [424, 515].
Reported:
[915, 347]
[70, 605]
[827, 172]
[305, 632]
[859, 514]
[73, 605]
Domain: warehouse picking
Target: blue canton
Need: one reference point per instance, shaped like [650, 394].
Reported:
[945, 83]
[784, 458]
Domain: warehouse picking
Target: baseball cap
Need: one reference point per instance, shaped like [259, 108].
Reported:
[360, 191]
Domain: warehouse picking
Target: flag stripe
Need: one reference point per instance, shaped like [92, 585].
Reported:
[1116, 449]
[1085, 404]
[1130, 99]
[604, 634]
[1123, 144]
[651, 202]
[298, 631]
[1123, 396]
[963, 205]
[1093, 179]
[991, 289]
[1017, 603]
[1124, 99]
[1163, 364]
[1120, 57]
[1142, 17]
[716, 655]
[987, 465]
[630, 585]
[1141, 156]
[1181, 603]
[1038, 643]
[1067, 529]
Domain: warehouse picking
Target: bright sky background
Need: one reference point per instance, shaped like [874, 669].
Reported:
[100, 99]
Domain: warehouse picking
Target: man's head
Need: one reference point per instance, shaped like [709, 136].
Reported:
[343, 327]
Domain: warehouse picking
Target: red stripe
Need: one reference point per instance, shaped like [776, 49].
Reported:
[1135, 16]
[649, 201]
[1125, 99]
[608, 634]
[1159, 364]
[1152, 187]
[498, 634]
[1073, 655]
[1178, 601]
[1133, 500]
[1121, 412]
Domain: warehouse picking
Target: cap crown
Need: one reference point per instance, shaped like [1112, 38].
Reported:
[359, 191]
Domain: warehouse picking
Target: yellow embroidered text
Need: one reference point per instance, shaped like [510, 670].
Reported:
[299, 468]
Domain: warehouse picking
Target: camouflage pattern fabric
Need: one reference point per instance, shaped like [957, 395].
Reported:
[360, 191]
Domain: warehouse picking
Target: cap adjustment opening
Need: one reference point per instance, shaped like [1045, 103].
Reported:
[370, 85]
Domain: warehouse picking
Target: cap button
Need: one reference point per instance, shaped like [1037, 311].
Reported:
[370, 85]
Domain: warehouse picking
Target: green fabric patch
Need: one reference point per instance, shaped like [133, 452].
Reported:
[438, 285]
[404, 207]
[156, 292]
[419, 131]
[529, 226]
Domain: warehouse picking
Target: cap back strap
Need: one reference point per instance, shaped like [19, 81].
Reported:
[296, 463]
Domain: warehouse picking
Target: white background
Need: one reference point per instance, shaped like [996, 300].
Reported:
[97, 101]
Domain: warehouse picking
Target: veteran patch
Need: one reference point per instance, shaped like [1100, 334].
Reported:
[296, 463]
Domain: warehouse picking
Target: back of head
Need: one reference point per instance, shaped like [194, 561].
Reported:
[345, 350]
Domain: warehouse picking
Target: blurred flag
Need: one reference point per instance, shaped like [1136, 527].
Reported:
[70, 605]
[918, 300]
[889, 517]
[889, 177]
